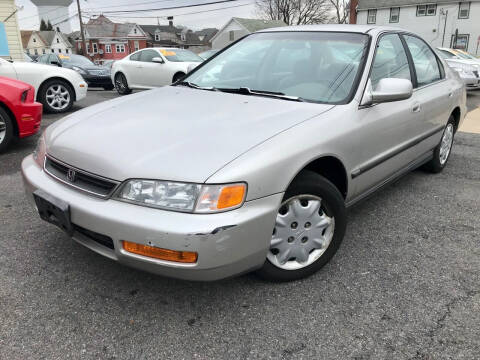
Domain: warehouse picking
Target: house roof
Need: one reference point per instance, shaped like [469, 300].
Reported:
[377, 4]
[46, 36]
[26, 34]
[253, 25]
[151, 29]
[102, 27]
[207, 33]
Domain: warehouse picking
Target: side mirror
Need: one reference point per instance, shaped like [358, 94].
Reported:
[387, 90]
[55, 63]
[158, 60]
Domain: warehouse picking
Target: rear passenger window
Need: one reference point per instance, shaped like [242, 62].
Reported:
[390, 60]
[424, 60]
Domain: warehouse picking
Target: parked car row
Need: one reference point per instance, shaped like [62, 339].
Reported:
[282, 132]
[467, 66]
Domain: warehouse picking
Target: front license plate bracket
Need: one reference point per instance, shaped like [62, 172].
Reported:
[53, 210]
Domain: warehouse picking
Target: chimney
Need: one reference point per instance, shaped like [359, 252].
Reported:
[353, 11]
[170, 21]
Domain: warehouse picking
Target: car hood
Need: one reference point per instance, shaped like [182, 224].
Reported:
[31, 66]
[171, 133]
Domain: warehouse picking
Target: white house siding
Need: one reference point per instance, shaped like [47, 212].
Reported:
[36, 46]
[431, 27]
[7, 7]
[222, 39]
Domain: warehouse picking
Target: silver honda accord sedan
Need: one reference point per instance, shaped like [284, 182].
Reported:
[250, 161]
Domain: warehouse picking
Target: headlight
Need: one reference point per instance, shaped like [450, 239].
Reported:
[40, 150]
[193, 198]
[79, 70]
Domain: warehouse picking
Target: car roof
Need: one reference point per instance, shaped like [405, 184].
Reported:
[361, 29]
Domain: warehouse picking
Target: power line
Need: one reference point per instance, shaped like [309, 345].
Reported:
[168, 8]
[177, 15]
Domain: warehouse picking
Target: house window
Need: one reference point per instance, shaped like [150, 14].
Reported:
[108, 48]
[34, 40]
[88, 48]
[43, 51]
[95, 48]
[66, 50]
[231, 35]
[464, 10]
[53, 50]
[427, 10]
[58, 41]
[134, 31]
[157, 37]
[394, 14]
[120, 48]
[80, 46]
[59, 51]
[183, 37]
[36, 52]
[461, 42]
[372, 16]
[136, 45]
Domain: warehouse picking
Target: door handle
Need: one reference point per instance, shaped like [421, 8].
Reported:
[416, 108]
[450, 93]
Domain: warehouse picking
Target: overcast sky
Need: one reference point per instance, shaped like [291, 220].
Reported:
[216, 18]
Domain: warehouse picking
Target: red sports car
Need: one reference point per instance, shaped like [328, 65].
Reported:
[20, 115]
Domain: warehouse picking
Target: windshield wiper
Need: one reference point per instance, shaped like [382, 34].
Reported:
[195, 86]
[273, 94]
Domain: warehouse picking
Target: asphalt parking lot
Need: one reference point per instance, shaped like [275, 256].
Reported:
[404, 285]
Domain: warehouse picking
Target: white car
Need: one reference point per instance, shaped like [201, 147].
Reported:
[152, 67]
[468, 70]
[56, 88]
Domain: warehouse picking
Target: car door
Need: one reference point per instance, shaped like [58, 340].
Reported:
[434, 94]
[153, 73]
[131, 67]
[7, 69]
[381, 141]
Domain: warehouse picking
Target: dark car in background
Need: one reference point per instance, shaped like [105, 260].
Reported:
[94, 75]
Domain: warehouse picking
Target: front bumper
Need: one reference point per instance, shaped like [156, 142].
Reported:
[81, 91]
[98, 80]
[470, 81]
[29, 119]
[227, 244]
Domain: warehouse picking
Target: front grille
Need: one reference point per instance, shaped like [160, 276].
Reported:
[79, 179]
[98, 238]
[98, 72]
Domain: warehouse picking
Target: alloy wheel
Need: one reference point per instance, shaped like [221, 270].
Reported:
[120, 82]
[3, 130]
[58, 97]
[446, 144]
[303, 231]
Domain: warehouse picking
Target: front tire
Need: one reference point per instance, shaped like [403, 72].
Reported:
[442, 152]
[309, 228]
[121, 84]
[6, 130]
[57, 96]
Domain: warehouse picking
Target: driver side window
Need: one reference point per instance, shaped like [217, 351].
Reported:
[390, 60]
[424, 60]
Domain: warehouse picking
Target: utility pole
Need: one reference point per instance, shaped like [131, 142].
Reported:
[84, 44]
[444, 27]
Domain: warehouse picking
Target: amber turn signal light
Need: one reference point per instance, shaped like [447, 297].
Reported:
[231, 196]
[159, 253]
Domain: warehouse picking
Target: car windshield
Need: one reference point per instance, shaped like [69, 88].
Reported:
[180, 55]
[466, 56]
[313, 66]
[75, 60]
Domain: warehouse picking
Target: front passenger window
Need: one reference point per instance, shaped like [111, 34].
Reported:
[390, 60]
[424, 60]
[148, 55]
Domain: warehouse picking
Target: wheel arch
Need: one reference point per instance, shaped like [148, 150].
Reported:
[179, 73]
[68, 82]
[331, 168]
[456, 113]
[12, 117]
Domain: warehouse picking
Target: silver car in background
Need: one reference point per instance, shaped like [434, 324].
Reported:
[250, 162]
[467, 69]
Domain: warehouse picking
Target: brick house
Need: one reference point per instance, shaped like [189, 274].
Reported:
[106, 40]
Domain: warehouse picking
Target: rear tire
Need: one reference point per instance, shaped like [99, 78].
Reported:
[121, 84]
[442, 152]
[309, 229]
[6, 130]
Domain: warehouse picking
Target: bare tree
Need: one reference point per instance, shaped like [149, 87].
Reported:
[340, 8]
[295, 12]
